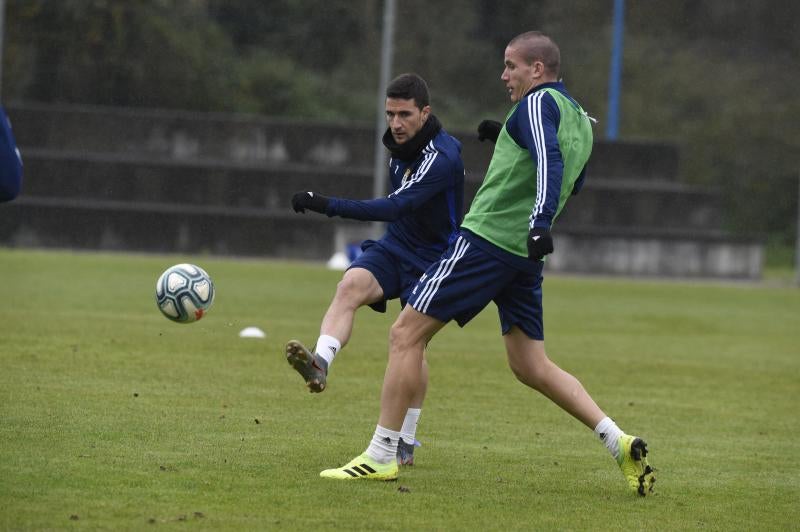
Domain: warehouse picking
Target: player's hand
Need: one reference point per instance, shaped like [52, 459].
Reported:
[489, 129]
[540, 243]
[311, 201]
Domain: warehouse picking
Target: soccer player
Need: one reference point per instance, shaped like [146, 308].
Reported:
[424, 211]
[10, 161]
[539, 160]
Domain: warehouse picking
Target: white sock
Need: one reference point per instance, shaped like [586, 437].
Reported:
[609, 432]
[327, 347]
[409, 430]
[383, 447]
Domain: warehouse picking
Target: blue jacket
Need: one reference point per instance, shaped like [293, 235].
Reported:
[426, 207]
[10, 161]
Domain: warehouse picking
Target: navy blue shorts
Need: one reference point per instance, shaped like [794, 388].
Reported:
[395, 276]
[467, 278]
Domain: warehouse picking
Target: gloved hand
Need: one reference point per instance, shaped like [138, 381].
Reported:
[540, 243]
[311, 201]
[489, 129]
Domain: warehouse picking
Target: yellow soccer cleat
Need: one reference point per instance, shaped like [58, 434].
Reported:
[633, 463]
[363, 467]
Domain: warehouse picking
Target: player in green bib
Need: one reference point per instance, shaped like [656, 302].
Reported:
[541, 151]
[540, 154]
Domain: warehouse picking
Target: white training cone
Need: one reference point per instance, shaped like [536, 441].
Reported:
[252, 332]
[338, 261]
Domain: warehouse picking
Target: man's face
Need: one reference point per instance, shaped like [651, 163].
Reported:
[518, 76]
[404, 118]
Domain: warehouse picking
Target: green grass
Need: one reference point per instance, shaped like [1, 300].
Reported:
[112, 417]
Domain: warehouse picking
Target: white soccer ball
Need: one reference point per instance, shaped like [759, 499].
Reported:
[184, 293]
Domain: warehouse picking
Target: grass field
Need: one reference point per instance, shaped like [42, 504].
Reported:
[112, 417]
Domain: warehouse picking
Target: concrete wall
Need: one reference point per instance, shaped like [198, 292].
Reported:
[99, 178]
[709, 255]
[260, 141]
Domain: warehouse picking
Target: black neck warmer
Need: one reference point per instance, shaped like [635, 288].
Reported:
[411, 149]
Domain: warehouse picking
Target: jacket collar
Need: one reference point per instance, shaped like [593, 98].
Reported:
[410, 150]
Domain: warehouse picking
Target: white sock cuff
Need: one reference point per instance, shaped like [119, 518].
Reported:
[383, 432]
[604, 426]
[327, 347]
[383, 447]
[609, 432]
[409, 430]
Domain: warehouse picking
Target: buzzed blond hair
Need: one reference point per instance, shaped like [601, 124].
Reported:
[536, 46]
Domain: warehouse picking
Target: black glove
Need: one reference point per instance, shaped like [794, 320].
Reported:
[540, 243]
[311, 201]
[489, 129]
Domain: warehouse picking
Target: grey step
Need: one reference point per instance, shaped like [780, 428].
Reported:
[643, 204]
[126, 178]
[257, 140]
[653, 253]
[121, 178]
[166, 228]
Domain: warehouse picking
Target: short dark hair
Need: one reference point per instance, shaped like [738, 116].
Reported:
[536, 46]
[409, 87]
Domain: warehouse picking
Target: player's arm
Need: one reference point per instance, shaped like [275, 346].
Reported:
[534, 126]
[489, 130]
[10, 161]
[433, 175]
[379, 209]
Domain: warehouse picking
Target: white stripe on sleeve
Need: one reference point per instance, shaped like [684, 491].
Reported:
[427, 162]
[537, 131]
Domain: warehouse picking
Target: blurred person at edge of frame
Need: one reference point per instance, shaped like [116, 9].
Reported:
[10, 161]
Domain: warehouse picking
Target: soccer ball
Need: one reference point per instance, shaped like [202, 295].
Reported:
[184, 293]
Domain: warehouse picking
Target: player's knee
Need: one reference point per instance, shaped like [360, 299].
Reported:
[530, 379]
[534, 374]
[519, 372]
[349, 291]
[402, 337]
[398, 337]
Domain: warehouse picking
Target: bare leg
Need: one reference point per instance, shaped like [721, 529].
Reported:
[357, 288]
[419, 396]
[406, 372]
[530, 364]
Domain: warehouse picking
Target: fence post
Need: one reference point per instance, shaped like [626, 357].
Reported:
[380, 170]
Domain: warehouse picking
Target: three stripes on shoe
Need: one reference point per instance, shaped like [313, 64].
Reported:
[356, 471]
